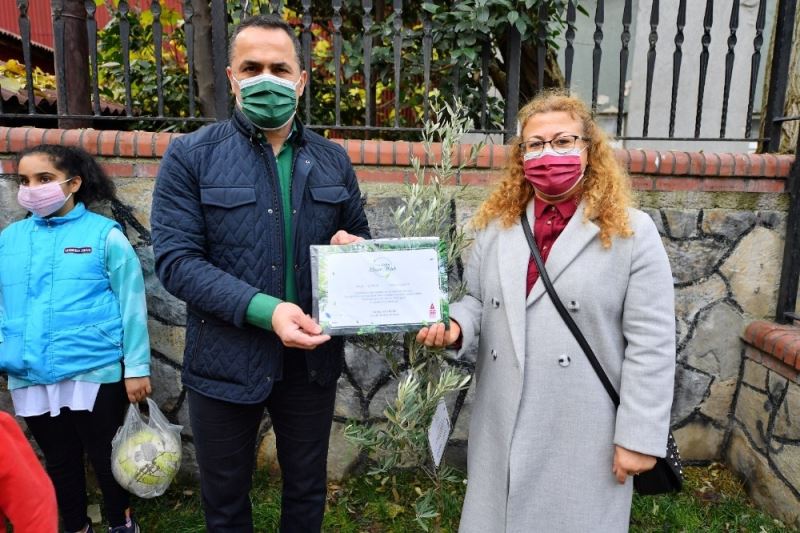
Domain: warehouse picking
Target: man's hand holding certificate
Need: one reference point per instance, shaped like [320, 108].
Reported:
[379, 286]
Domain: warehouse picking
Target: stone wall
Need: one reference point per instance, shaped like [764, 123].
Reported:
[764, 443]
[721, 216]
[726, 261]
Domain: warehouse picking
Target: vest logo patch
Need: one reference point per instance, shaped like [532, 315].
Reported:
[83, 250]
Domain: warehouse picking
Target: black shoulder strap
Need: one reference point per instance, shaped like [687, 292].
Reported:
[573, 327]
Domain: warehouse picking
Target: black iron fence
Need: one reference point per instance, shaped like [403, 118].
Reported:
[378, 66]
[786, 306]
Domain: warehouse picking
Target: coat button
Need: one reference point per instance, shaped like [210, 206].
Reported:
[269, 211]
[294, 211]
[494, 355]
[564, 360]
[495, 303]
[573, 305]
[274, 267]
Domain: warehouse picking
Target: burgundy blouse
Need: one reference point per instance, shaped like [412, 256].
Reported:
[550, 220]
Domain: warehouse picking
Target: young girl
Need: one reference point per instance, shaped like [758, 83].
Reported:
[73, 322]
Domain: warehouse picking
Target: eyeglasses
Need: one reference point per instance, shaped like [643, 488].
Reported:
[560, 145]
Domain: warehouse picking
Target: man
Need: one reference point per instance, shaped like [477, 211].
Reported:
[235, 208]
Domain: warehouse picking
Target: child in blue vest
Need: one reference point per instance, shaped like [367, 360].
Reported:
[73, 326]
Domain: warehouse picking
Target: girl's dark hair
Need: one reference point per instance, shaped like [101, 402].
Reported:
[96, 186]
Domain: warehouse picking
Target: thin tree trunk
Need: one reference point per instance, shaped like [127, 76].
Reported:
[791, 108]
[529, 71]
[203, 70]
[76, 66]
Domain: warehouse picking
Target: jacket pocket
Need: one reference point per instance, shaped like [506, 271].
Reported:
[194, 337]
[217, 352]
[77, 350]
[228, 197]
[12, 348]
[327, 201]
[110, 331]
[329, 194]
[229, 214]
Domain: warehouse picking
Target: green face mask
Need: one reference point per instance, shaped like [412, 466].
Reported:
[268, 101]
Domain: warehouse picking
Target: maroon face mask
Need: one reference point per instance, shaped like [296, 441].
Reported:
[553, 174]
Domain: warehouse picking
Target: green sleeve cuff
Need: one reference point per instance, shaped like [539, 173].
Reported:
[138, 371]
[260, 309]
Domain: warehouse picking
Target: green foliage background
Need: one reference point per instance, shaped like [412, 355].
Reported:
[468, 59]
[143, 71]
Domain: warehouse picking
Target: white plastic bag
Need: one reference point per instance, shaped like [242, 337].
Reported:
[146, 455]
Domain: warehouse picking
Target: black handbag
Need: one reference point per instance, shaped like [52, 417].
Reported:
[667, 475]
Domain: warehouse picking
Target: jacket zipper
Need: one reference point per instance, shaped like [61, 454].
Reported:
[292, 219]
[51, 365]
[278, 207]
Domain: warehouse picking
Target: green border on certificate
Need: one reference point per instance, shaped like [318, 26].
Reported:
[380, 286]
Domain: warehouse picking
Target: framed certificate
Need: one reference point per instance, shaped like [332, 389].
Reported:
[379, 286]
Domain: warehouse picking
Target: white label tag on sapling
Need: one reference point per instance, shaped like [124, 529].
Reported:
[439, 432]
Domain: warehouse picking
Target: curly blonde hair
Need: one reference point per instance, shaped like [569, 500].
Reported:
[606, 187]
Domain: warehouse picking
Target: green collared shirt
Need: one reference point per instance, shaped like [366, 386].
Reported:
[262, 306]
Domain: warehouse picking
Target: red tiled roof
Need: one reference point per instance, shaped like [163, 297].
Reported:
[7, 33]
[48, 98]
[41, 21]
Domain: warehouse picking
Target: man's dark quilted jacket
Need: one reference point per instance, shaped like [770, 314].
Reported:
[218, 240]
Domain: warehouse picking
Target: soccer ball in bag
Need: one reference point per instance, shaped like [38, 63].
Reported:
[146, 462]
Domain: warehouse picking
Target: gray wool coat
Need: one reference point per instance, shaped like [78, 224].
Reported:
[543, 429]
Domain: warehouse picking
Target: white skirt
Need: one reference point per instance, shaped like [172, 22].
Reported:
[37, 400]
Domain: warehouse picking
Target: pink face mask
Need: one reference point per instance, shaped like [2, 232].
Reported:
[43, 200]
[553, 174]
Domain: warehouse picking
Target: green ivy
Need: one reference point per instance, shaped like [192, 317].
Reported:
[143, 73]
[459, 32]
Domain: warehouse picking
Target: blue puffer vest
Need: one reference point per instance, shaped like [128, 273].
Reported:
[61, 316]
[218, 239]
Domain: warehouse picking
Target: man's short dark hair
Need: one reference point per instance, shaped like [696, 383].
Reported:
[268, 22]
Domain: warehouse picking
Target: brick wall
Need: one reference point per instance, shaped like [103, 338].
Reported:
[135, 154]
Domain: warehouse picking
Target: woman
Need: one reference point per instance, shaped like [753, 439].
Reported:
[547, 449]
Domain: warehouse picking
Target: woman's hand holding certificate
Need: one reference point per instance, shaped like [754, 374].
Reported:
[437, 336]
